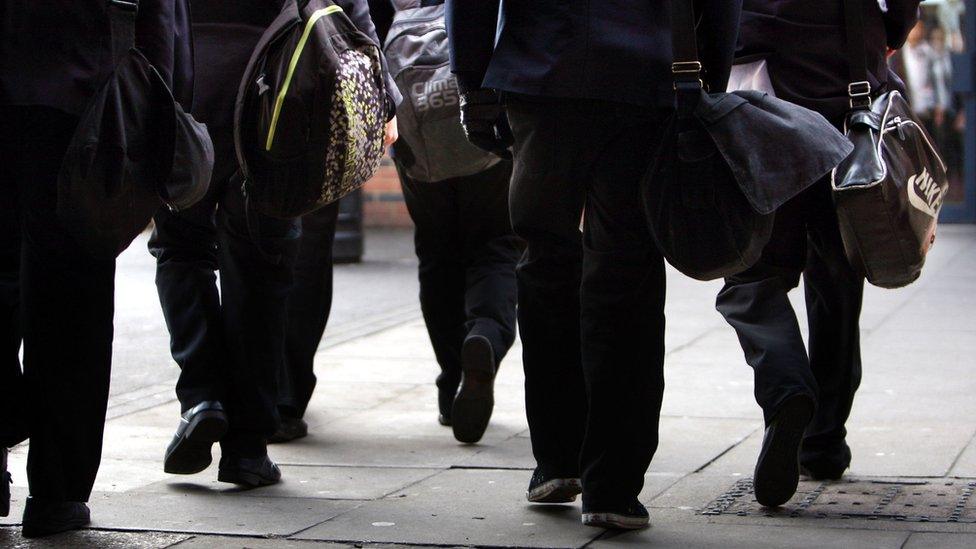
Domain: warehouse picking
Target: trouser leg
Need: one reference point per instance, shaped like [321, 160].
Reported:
[546, 201]
[257, 257]
[756, 305]
[623, 295]
[13, 429]
[185, 247]
[490, 250]
[68, 305]
[309, 305]
[437, 240]
[834, 292]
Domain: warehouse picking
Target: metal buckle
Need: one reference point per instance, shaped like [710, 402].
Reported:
[131, 5]
[860, 94]
[680, 69]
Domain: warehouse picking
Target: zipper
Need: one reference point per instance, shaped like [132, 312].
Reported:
[292, 65]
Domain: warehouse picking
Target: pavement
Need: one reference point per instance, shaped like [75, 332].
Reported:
[377, 470]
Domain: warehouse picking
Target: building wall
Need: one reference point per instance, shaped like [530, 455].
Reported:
[383, 204]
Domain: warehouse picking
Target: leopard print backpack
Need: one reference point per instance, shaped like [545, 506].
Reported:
[310, 111]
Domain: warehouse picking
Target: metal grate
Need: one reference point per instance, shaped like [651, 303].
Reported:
[948, 501]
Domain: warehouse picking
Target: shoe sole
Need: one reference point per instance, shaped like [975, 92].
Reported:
[192, 454]
[560, 490]
[777, 472]
[243, 478]
[615, 521]
[49, 529]
[475, 399]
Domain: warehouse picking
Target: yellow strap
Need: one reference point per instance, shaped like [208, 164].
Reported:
[318, 14]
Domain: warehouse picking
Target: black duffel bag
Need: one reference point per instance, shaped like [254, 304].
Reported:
[726, 163]
[888, 194]
[134, 150]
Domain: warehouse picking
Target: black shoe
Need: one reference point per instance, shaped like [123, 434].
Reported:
[475, 398]
[444, 419]
[290, 428]
[543, 489]
[5, 482]
[200, 427]
[44, 518]
[250, 472]
[627, 517]
[778, 468]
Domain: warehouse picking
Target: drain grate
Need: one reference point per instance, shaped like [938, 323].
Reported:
[948, 500]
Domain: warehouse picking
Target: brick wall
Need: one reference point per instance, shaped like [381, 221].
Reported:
[383, 201]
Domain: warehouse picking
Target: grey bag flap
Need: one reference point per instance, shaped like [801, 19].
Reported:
[787, 148]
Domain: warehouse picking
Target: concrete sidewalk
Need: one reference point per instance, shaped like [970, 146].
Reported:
[378, 469]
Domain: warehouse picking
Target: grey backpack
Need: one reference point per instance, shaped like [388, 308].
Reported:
[432, 146]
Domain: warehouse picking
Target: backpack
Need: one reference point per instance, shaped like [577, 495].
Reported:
[310, 111]
[432, 145]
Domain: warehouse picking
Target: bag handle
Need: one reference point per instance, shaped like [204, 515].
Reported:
[122, 23]
[859, 88]
[686, 66]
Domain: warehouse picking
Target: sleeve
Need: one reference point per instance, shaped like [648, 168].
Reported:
[718, 32]
[901, 17]
[156, 35]
[472, 26]
[358, 13]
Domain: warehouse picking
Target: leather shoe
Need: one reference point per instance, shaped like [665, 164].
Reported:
[289, 429]
[249, 472]
[5, 482]
[475, 398]
[45, 517]
[778, 468]
[200, 427]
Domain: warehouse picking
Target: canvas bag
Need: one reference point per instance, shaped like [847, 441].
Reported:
[134, 150]
[310, 112]
[726, 163]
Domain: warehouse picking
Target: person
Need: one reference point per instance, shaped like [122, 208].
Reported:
[586, 90]
[56, 298]
[467, 251]
[310, 299]
[806, 396]
[917, 62]
[230, 345]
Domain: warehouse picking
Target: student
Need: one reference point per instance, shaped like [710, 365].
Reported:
[586, 89]
[55, 297]
[807, 395]
[230, 345]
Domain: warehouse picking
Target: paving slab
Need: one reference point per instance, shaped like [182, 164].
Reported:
[677, 535]
[227, 542]
[906, 449]
[689, 443]
[966, 464]
[312, 482]
[460, 507]
[195, 512]
[10, 538]
[927, 540]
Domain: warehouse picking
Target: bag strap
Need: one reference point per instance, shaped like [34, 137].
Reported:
[859, 87]
[686, 67]
[122, 23]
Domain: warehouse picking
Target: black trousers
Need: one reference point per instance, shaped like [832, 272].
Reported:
[467, 251]
[229, 344]
[309, 306]
[805, 240]
[59, 301]
[591, 306]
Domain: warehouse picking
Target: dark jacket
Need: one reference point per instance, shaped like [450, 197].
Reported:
[803, 42]
[617, 50]
[56, 52]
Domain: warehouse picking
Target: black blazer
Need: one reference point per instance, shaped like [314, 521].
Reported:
[616, 50]
[56, 52]
[803, 42]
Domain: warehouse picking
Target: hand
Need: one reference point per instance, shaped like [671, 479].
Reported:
[390, 133]
[485, 122]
